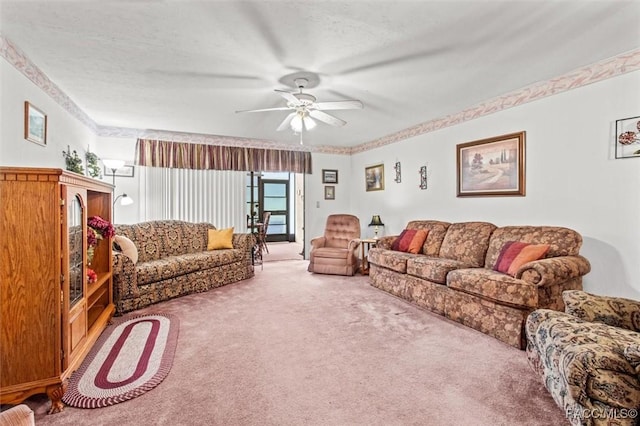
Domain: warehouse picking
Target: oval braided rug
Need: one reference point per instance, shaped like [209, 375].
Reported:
[132, 356]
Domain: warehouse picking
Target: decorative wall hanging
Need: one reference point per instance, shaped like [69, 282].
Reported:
[493, 166]
[398, 178]
[423, 177]
[374, 177]
[628, 137]
[329, 176]
[35, 124]
[329, 192]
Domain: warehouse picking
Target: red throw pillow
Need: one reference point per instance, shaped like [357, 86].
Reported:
[514, 254]
[396, 243]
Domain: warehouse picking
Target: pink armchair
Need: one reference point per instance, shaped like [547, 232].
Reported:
[336, 252]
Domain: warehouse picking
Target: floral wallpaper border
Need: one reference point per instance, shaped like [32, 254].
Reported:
[608, 68]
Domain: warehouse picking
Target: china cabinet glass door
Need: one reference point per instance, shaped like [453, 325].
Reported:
[75, 222]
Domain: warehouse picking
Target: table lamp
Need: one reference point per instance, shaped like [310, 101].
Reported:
[376, 222]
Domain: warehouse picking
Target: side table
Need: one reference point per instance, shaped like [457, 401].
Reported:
[365, 245]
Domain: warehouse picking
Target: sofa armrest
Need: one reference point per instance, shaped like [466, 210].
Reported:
[353, 245]
[317, 242]
[599, 376]
[386, 241]
[554, 270]
[244, 242]
[614, 311]
[125, 278]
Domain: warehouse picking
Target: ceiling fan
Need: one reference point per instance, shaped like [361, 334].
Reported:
[305, 108]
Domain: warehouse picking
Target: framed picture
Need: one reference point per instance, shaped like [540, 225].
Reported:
[35, 124]
[493, 166]
[124, 171]
[329, 192]
[329, 176]
[374, 177]
[628, 137]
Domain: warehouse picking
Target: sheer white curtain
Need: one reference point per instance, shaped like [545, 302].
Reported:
[213, 196]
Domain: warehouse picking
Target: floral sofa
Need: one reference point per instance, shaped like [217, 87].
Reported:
[589, 357]
[173, 260]
[453, 274]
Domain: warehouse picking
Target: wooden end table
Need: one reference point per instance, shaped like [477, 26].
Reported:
[365, 246]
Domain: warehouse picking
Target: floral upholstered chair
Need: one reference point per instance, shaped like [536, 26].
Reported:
[589, 357]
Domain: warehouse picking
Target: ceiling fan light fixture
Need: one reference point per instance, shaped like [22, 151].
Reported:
[309, 123]
[296, 123]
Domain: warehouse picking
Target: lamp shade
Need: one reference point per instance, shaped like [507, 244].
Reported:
[376, 221]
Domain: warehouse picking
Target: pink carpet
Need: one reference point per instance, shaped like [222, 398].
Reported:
[292, 348]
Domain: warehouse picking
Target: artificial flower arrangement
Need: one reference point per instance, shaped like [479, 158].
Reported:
[92, 277]
[97, 229]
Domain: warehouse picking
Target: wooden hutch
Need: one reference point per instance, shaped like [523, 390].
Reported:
[50, 316]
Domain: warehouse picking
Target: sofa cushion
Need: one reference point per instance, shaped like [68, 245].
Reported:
[467, 242]
[394, 260]
[163, 269]
[562, 241]
[211, 259]
[495, 286]
[331, 252]
[514, 254]
[434, 269]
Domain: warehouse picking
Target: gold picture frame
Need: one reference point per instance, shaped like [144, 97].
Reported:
[374, 177]
[35, 124]
[492, 167]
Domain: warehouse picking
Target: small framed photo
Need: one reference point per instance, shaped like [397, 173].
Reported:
[628, 137]
[124, 171]
[374, 177]
[329, 192]
[492, 167]
[35, 124]
[329, 176]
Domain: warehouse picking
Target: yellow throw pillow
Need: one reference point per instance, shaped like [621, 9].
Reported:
[220, 239]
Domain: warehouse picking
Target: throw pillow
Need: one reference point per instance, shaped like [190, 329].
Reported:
[127, 247]
[514, 254]
[417, 242]
[220, 239]
[410, 241]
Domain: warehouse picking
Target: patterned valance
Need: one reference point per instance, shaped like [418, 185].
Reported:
[181, 155]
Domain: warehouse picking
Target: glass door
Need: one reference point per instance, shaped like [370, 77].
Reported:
[274, 196]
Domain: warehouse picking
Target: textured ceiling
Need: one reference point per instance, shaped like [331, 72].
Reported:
[187, 66]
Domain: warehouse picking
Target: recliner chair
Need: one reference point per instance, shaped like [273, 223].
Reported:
[337, 251]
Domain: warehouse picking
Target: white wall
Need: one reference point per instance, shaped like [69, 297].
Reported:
[572, 178]
[63, 129]
[316, 207]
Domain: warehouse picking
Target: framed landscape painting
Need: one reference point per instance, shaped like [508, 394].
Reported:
[374, 178]
[35, 124]
[491, 167]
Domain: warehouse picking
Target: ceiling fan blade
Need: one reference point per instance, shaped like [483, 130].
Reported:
[289, 97]
[348, 104]
[265, 109]
[286, 122]
[326, 118]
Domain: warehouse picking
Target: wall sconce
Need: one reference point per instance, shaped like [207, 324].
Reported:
[376, 222]
[423, 177]
[398, 178]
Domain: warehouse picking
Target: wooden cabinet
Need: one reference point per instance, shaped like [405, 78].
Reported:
[50, 316]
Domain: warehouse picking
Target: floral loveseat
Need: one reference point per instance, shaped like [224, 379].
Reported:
[453, 274]
[589, 357]
[173, 260]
